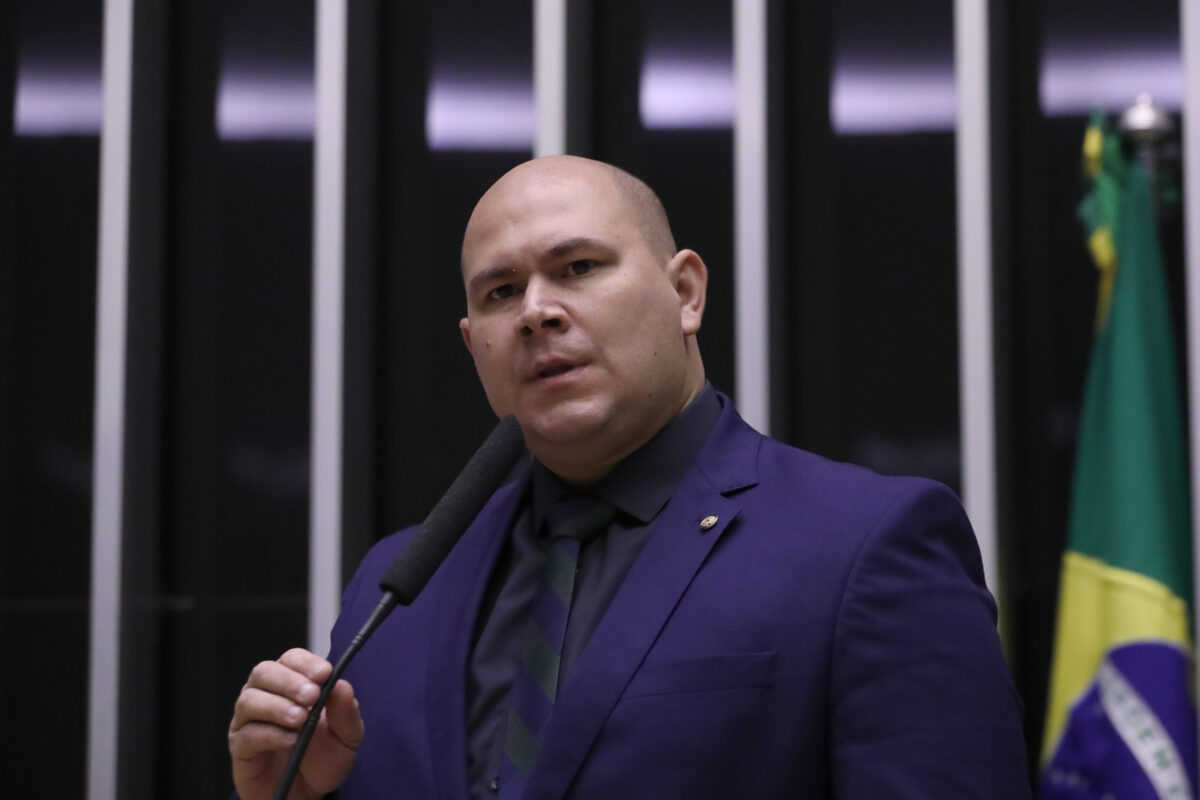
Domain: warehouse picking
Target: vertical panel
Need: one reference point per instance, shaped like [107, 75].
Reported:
[109, 466]
[360, 221]
[550, 76]
[751, 236]
[976, 360]
[804, 266]
[329, 208]
[664, 104]
[457, 111]
[141, 462]
[237, 321]
[870, 260]
[1190, 38]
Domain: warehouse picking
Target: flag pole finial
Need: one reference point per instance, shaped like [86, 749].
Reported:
[1145, 122]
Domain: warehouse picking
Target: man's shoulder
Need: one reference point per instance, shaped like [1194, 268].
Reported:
[782, 461]
[791, 475]
[850, 501]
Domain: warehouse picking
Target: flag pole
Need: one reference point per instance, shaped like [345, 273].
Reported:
[1189, 28]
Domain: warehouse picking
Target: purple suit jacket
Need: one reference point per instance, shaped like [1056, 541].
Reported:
[830, 636]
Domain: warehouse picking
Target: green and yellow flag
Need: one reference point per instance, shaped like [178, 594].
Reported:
[1121, 721]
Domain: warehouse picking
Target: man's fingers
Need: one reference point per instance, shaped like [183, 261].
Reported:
[257, 705]
[280, 693]
[343, 717]
[256, 738]
[284, 679]
[310, 665]
[270, 712]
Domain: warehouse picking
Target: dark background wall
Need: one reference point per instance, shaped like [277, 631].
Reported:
[48, 224]
[863, 303]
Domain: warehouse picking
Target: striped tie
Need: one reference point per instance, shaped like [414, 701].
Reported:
[569, 522]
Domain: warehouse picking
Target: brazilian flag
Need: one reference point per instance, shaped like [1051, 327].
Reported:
[1121, 719]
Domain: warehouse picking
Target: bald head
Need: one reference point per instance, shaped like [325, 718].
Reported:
[646, 208]
[640, 204]
[581, 316]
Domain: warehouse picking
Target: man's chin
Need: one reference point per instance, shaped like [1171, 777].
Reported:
[565, 425]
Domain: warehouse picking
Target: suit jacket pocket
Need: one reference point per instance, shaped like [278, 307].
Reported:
[733, 671]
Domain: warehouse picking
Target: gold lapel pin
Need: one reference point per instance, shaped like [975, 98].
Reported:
[708, 522]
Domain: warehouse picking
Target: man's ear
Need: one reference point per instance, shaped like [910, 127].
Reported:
[464, 327]
[689, 277]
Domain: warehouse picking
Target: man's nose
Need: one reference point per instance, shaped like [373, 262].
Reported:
[541, 308]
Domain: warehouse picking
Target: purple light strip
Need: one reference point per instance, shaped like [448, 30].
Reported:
[265, 106]
[1073, 83]
[480, 114]
[57, 104]
[681, 93]
[885, 98]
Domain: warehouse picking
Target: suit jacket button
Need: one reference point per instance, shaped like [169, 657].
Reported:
[708, 522]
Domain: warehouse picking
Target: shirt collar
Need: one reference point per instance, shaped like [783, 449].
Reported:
[645, 480]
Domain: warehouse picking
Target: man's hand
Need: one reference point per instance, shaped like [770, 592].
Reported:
[268, 716]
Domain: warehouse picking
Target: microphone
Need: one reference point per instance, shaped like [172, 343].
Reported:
[445, 525]
[420, 558]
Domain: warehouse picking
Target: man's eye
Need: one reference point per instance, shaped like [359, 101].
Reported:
[501, 292]
[581, 267]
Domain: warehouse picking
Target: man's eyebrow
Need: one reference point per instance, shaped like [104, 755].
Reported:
[489, 275]
[568, 246]
[559, 250]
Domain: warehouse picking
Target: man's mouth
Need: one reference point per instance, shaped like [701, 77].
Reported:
[558, 369]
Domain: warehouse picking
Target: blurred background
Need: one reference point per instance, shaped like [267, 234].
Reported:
[164, 520]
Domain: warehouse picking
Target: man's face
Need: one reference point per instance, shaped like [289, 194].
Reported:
[575, 326]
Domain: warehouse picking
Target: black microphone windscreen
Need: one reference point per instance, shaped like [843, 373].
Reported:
[461, 503]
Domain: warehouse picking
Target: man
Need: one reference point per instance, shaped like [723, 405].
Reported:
[750, 621]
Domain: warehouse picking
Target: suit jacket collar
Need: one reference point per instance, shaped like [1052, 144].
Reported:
[676, 549]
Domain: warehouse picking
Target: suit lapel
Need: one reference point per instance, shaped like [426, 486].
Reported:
[453, 616]
[673, 554]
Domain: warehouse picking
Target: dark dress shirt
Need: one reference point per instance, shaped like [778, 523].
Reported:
[639, 487]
